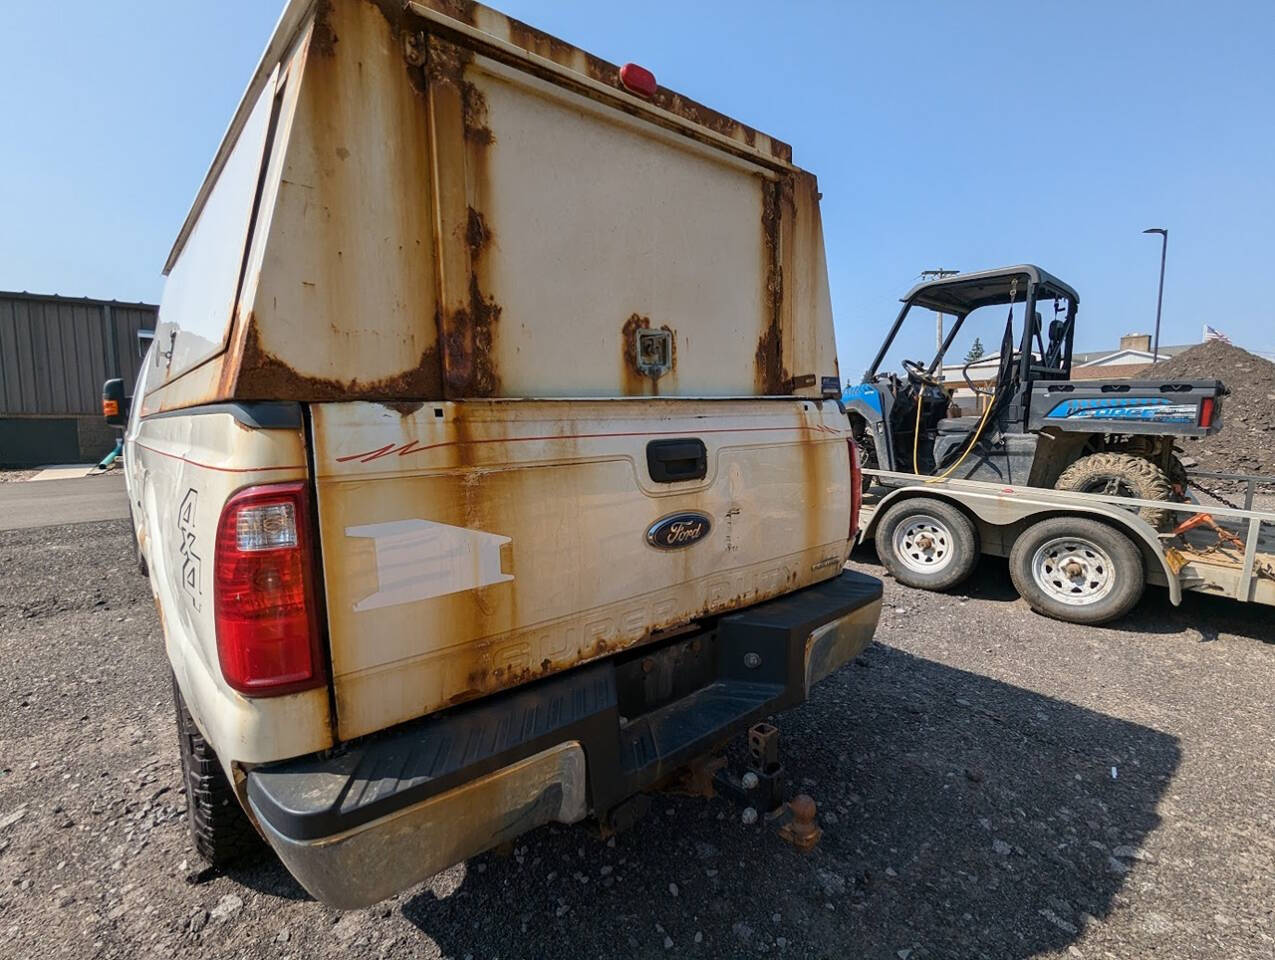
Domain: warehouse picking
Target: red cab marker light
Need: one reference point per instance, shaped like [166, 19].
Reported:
[1206, 412]
[638, 80]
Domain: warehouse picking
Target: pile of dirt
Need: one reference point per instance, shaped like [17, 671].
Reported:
[1246, 443]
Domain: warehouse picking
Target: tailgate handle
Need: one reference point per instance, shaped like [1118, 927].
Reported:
[673, 460]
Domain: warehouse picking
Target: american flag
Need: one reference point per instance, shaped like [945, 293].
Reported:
[1211, 334]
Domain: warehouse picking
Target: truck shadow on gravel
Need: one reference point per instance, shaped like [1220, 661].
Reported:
[963, 817]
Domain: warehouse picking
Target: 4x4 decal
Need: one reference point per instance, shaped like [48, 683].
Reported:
[192, 565]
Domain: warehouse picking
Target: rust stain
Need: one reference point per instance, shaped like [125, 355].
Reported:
[468, 365]
[635, 383]
[405, 408]
[475, 115]
[462, 10]
[445, 61]
[470, 333]
[540, 43]
[324, 37]
[477, 233]
[672, 360]
[263, 376]
[769, 374]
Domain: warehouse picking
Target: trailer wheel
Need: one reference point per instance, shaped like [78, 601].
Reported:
[1077, 570]
[927, 543]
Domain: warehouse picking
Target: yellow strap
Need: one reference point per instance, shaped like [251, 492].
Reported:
[973, 440]
[916, 434]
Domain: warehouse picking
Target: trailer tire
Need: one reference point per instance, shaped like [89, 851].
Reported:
[1120, 475]
[1077, 570]
[219, 828]
[927, 543]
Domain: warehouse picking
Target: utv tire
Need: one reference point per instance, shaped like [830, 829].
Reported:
[927, 543]
[1077, 570]
[220, 829]
[1120, 475]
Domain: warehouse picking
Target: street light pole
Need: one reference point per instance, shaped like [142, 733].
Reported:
[1159, 300]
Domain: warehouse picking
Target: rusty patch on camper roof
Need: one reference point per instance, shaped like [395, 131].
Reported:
[263, 376]
[395, 13]
[325, 38]
[540, 43]
[532, 40]
[462, 10]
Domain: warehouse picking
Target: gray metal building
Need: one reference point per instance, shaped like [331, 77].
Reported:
[55, 352]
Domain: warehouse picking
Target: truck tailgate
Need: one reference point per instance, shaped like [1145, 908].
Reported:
[472, 546]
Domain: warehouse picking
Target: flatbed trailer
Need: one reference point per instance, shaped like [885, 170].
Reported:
[1080, 557]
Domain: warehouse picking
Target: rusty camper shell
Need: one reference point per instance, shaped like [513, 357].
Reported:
[495, 130]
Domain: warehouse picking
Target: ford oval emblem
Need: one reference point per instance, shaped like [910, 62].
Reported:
[678, 530]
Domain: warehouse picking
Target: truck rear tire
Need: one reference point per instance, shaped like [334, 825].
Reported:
[927, 543]
[220, 829]
[1120, 475]
[1077, 570]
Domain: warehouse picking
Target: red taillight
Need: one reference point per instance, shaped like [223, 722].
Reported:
[856, 489]
[267, 625]
[1206, 412]
[638, 80]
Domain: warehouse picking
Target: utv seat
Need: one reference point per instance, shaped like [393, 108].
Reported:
[960, 425]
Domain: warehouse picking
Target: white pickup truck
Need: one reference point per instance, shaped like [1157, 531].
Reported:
[487, 461]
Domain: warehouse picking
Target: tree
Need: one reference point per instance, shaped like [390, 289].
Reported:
[976, 351]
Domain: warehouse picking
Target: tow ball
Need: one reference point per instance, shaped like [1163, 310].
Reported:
[759, 789]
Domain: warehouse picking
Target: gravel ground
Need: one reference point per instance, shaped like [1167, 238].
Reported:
[990, 784]
[8, 475]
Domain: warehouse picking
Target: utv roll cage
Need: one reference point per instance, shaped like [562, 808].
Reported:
[962, 294]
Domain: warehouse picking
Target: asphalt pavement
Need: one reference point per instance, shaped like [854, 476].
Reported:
[43, 503]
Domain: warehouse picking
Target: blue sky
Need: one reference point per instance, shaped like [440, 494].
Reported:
[964, 135]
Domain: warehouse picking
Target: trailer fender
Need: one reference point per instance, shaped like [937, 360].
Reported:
[1012, 505]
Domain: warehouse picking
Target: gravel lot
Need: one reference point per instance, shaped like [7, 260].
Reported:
[990, 783]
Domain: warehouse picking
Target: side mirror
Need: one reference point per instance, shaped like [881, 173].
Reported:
[114, 404]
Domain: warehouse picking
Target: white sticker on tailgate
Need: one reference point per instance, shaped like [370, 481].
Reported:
[419, 559]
